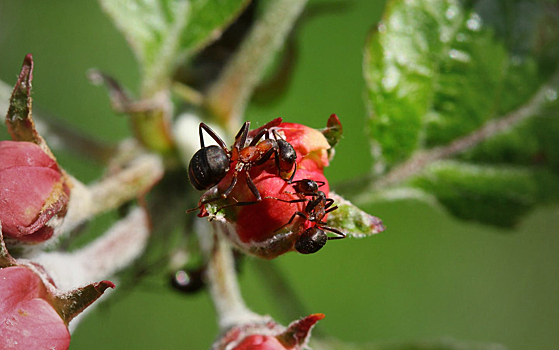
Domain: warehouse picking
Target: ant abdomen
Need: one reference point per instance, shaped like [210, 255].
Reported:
[208, 167]
[311, 241]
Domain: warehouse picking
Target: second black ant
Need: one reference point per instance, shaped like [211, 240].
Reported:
[316, 208]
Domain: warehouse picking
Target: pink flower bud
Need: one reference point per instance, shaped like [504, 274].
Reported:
[33, 190]
[269, 228]
[260, 342]
[310, 144]
[29, 320]
[269, 336]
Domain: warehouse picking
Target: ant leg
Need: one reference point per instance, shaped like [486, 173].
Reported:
[292, 174]
[297, 213]
[265, 157]
[288, 201]
[339, 233]
[213, 135]
[331, 209]
[230, 188]
[237, 203]
[204, 202]
[258, 137]
[312, 204]
[252, 187]
[241, 137]
[328, 202]
[320, 183]
[276, 135]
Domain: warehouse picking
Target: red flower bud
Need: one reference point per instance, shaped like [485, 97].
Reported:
[269, 228]
[269, 336]
[33, 190]
[260, 342]
[29, 320]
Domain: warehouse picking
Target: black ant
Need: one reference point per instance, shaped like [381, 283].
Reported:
[211, 164]
[316, 208]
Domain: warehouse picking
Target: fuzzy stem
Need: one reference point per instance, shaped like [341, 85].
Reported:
[228, 97]
[492, 128]
[224, 287]
[102, 258]
[128, 184]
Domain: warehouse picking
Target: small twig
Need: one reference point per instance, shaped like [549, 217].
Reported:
[229, 96]
[494, 127]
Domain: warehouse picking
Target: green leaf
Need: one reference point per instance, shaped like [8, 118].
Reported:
[490, 194]
[433, 73]
[534, 143]
[163, 32]
[352, 220]
[474, 81]
[436, 71]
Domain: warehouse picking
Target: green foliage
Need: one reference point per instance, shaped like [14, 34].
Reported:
[352, 220]
[164, 32]
[438, 72]
[494, 195]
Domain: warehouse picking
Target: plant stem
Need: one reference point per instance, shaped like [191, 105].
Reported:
[492, 128]
[224, 287]
[102, 258]
[128, 184]
[228, 97]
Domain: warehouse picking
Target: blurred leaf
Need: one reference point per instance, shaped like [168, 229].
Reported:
[436, 71]
[440, 344]
[468, 80]
[534, 143]
[162, 32]
[493, 195]
[432, 71]
[352, 220]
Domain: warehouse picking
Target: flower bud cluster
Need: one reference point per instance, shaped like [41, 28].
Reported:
[268, 228]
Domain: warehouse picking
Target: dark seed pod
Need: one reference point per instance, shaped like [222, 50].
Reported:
[188, 282]
[311, 241]
[208, 167]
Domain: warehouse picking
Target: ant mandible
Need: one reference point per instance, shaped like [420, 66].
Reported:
[210, 165]
[316, 208]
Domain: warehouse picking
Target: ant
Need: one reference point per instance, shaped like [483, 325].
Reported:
[313, 238]
[211, 164]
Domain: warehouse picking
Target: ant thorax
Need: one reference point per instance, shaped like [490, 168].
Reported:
[239, 166]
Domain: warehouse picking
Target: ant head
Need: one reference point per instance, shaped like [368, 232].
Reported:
[306, 186]
[311, 241]
[208, 167]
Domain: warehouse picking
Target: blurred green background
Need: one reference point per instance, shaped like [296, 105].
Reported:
[427, 276]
